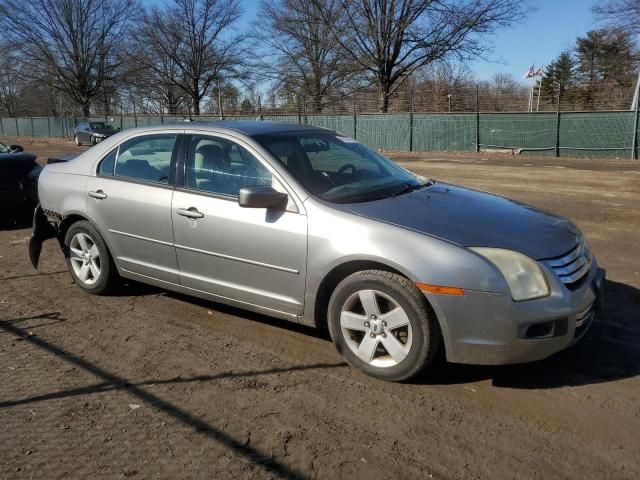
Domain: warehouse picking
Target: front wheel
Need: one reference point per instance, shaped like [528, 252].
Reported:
[381, 324]
[76, 140]
[88, 259]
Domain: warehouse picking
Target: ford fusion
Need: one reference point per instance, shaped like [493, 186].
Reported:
[304, 224]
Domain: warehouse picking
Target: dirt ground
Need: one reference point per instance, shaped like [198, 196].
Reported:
[149, 384]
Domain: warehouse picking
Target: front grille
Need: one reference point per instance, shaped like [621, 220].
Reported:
[573, 266]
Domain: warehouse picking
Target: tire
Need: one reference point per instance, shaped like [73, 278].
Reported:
[77, 140]
[410, 336]
[92, 268]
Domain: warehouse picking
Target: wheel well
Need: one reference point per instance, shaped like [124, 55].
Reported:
[334, 277]
[66, 223]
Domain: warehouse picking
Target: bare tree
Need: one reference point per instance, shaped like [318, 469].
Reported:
[300, 49]
[10, 81]
[620, 14]
[191, 45]
[73, 40]
[390, 39]
[155, 84]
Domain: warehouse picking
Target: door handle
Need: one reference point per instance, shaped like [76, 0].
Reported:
[99, 194]
[191, 212]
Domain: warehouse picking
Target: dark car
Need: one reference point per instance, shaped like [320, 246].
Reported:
[18, 178]
[93, 132]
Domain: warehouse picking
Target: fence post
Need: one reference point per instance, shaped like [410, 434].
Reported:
[477, 119]
[1, 127]
[17, 128]
[299, 103]
[261, 117]
[355, 115]
[557, 149]
[411, 119]
[634, 143]
[49, 126]
[304, 108]
[220, 110]
[32, 132]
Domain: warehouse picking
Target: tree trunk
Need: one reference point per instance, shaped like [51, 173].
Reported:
[383, 97]
[317, 103]
[86, 110]
[195, 105]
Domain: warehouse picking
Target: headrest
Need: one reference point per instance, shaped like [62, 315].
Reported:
[209, 150]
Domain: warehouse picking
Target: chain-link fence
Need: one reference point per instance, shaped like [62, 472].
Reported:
[468, 125]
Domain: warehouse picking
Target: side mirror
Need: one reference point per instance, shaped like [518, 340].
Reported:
[261, 196]
[16, 148]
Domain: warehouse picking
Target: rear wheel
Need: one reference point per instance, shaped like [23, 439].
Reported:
[88, 259]
[381, 324]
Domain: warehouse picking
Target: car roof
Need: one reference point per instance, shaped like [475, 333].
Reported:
[253, 127]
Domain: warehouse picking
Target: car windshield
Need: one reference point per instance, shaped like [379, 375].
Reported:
[4, 148]
[99, 125]
[338, 169]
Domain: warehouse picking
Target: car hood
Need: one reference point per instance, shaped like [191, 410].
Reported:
[475, 219]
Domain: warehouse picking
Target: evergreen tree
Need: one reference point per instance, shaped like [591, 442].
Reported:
[561, 71]
[606, 60]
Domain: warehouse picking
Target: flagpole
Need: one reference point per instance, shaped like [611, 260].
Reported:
[539, 89]
[531, 94]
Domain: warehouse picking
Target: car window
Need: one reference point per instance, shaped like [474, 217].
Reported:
[4, 148]
[336, 168]
[146, 158]
[220, 166]
[107, 163]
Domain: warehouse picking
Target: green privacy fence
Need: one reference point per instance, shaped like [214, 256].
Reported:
[593, 134]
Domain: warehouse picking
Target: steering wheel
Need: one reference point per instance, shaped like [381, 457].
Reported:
[344, 168]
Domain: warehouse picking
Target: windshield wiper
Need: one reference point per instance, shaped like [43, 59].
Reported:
[410, 188]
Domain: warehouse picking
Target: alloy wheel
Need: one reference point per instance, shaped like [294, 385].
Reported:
[85, 258]
[376, 328]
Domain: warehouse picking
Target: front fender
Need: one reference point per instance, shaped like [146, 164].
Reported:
[337, 237]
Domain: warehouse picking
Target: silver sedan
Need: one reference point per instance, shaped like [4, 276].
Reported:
[307, 225]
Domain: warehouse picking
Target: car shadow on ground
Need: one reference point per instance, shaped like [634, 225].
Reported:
[109, 381]
[609, 351]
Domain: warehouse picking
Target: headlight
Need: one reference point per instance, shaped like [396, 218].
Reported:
[524, 277]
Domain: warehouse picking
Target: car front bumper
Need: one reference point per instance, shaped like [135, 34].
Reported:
[486, 328]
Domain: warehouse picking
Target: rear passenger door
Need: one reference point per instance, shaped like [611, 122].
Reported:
[129, 200]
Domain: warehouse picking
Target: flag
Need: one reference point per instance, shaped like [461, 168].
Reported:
[530, 72]
[539, 72]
